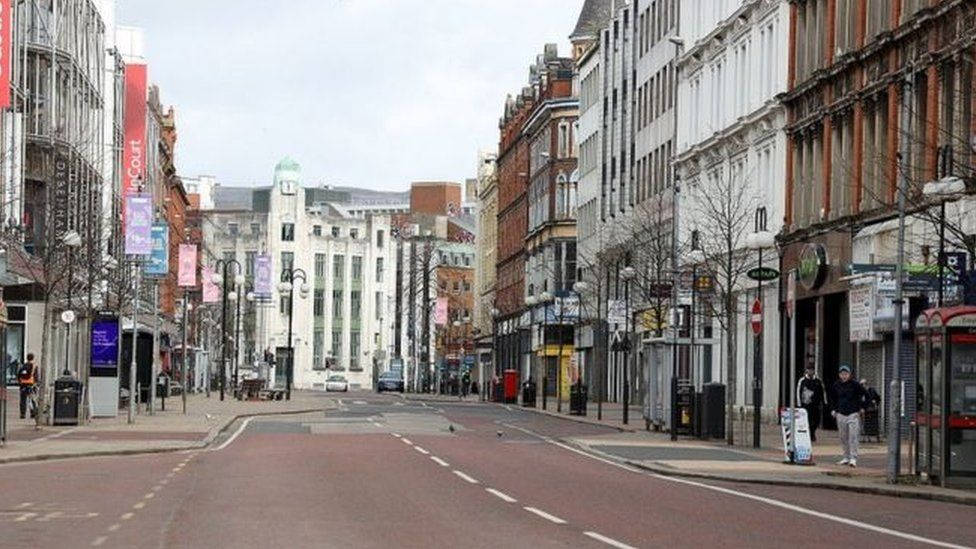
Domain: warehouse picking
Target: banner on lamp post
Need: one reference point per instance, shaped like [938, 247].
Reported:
[211, 292]
[440, 311]
[262, 275]
[134, 150]
[138, 224]
[187, 266]
[6, 20]
[158, 266]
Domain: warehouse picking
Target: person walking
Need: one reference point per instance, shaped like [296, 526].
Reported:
[847, 404]
[810, 395]
[26, 379]
[465, 384]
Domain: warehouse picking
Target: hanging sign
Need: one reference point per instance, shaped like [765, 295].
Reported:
[6, 13]
[440, 311]
[211, 292]
[187, 265]
[138, 224]
[763, 274]
[134, 150]
[158, 265]
[262, 276]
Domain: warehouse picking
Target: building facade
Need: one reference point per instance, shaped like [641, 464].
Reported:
[486, 248]
[343, 323]
[733, 156]
[869, 83]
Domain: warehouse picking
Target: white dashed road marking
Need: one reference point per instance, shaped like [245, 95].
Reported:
[406, 441]
[545, 515]
[127, 516]
[99, 540]
[421, 450]
[114, 527]
[439, 461]
[398, 435]
[502, 495]
[465, 477]
[609, 541]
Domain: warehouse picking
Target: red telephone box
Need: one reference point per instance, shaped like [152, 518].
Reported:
[511, 383]
[946, 415]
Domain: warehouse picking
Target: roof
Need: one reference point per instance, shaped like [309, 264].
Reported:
[593, 17]
[233, 198]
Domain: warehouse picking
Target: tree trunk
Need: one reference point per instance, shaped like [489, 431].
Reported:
[41, 364]
[730, 364]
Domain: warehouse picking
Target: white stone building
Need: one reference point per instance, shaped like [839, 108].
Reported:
[733, 65]
[344, 323]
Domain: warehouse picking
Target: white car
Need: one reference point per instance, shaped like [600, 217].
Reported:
[337, 383]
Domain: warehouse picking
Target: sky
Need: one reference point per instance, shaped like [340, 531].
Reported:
[368, 93]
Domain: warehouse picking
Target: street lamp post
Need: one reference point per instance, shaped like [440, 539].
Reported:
[221, 272]
[530, 302]
[578, 288]
[72, 240]
[695, 257]
[287, 285]
[759, 240]
[240, 296]
[627, 274]
[187, 307]
[546, 299]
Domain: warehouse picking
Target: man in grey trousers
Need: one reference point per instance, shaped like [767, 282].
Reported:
[847, 405]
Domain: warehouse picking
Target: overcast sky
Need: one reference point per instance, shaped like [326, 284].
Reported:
[370, 93]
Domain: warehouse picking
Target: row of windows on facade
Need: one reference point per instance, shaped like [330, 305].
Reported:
[812, 24]
[539, 203]
[557, 260]
[288, 232]
[355, 346]
[321, 260]
[654, 23]
[451, 258]
[720, 96]
[338, 296]
[539, 155]
[953, 118]
[457, 286]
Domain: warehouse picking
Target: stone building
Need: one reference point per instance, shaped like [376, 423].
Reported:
[486, 248]
[344, 323]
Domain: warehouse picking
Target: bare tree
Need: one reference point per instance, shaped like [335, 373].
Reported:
[722, 206]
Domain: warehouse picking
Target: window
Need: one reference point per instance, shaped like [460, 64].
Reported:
[354, 351]
[466, 286]
[319, 265]
[287, 261]
[379, 305]
[379, 238]
[287, 232]
[255, 229]
[283, 304]
[249, 257]
[229, 255]
[379, 269]
[232, 229]
[318, 303]
[338, 266]
[335, 232]
[467, 260]
[353, 233]
[564, 144]
[336, 303]
[318, 345]
[317, 230]
[337, 345]
[357, 267]
[355, 304]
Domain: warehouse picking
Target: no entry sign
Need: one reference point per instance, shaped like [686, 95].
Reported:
[756, 317]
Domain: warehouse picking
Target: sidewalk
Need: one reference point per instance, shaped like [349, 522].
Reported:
[162, 432]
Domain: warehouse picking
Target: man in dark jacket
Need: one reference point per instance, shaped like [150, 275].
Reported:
[810, 395]
[847, 405]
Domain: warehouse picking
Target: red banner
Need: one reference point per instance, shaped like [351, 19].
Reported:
[134, 150]
[6, 17]
[187, 275]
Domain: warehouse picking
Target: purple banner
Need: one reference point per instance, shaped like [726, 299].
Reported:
[262, 275]
[138, 224]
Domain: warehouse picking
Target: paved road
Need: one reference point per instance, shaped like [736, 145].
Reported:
[381, 472]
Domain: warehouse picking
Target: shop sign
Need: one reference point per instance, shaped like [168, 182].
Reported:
[763, 274]
[861, 300]
[812, 267]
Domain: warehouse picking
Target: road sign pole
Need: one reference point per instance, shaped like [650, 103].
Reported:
[791, 311]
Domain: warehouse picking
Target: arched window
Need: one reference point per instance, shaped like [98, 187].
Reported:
[571, 196]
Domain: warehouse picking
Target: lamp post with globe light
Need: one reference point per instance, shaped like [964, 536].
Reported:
[627, 274]
[545, 299]
[579, 287]
[220, 277]
[71, 240]
[758, 240]
[287, 285]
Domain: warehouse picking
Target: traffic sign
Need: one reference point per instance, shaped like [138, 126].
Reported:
[756, 317]
[763, 274]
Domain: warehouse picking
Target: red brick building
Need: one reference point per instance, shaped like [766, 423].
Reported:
[877, 89]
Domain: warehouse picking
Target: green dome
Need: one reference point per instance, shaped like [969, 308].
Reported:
[288, 164]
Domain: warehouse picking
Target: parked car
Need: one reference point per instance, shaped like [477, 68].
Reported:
[389, 381]
[336, 383]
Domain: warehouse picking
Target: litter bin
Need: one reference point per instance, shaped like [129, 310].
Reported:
[577, 399]
[528, 394]
[67, 397]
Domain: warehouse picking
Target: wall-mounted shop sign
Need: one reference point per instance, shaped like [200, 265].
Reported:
[812, 268]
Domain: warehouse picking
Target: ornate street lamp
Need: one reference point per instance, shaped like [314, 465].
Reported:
[287, 285]
[220, 277]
